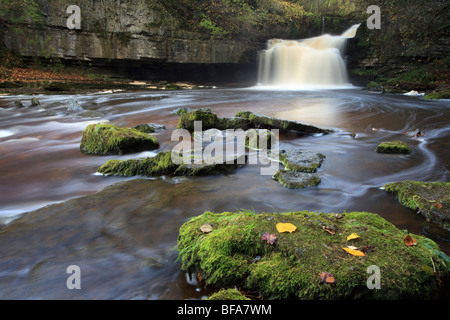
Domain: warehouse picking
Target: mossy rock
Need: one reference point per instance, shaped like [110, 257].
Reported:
[301, 161]
[393, 147]
[430, 199]
[296, 180]
[105, 139]
[208, 119]
[163, 164]
[243, 120]
[444, 94]
[234, 254]
[228, 294]
[265, 122]
[259, 139]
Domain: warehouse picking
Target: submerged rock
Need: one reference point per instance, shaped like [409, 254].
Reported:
[163, 164]
[296, 180]
[393, 147]
[74, 106]
[107, 139]
[149, 127]
[290, 267]
[430, 199]
[301, 161]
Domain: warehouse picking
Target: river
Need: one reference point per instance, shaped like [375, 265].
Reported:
[122, 232]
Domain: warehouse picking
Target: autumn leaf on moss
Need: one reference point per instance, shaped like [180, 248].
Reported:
[409, 241]
[270, 238]
[329, 229]
[326, 277]
[286, 227]
[354, 252]
[206, 228]
[352, 236]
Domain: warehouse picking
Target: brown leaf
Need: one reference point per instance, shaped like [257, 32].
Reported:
[329, 229]
[409, 241]
[438, 205]
[366, 248]
[270, 238]
[326, 277]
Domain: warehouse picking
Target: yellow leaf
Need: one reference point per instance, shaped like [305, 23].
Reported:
[354, 252]
[286, 227]
[352, 236]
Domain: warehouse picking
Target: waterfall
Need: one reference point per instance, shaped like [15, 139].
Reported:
[313, 62]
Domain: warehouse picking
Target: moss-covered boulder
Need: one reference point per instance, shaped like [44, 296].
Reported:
[243, 120]
[393, 147]
[105, 139]
[265, 122]
[228, 294]
[163, 164]
[247, 250]
[430, 199]
[442, 94]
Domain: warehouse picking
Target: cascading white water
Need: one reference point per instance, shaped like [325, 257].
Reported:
[313, 62]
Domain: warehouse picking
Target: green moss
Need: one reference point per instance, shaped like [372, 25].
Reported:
[234, 254]
[106, 139]
[209, 120]
[444, 94]
[228, 294]
[393, 147]
[259, 139]
[244, 120]
[431, 199]
[264, 122]
[162, 164]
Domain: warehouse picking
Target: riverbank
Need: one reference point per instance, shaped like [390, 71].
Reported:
[30, 80]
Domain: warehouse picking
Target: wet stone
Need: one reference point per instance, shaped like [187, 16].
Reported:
[296, 180]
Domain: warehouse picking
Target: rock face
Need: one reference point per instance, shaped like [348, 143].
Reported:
[129, 31]
[107, 139]
[235, 253]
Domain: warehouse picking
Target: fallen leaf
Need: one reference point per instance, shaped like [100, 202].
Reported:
[366, 248]
[270, 238]
[329, 229]
[326, 277]
[438, 205]
[206, 228]
[409, 241]
[352, 247]
[286, 227]
[352, 236]
[354, 252]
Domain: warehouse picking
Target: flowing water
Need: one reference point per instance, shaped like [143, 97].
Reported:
[122, 232]
[313, 62]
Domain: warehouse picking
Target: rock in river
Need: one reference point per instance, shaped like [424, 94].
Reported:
[291, 265]
[107, 139]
